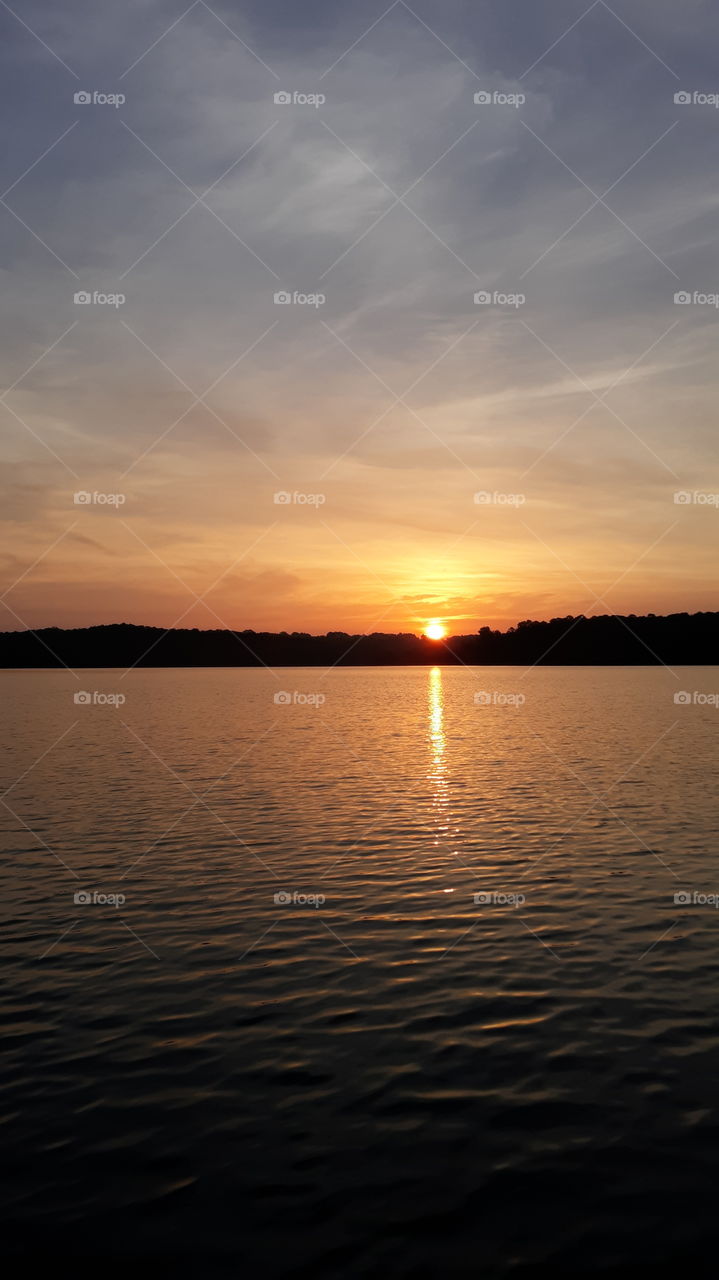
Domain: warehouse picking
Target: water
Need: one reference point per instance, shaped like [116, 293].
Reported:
[381, 1075]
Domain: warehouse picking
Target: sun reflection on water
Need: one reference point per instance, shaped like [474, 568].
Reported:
[437, 770]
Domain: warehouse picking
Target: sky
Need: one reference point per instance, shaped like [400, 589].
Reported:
[491, 394]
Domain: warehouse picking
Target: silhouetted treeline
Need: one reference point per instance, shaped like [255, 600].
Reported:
[681, 638]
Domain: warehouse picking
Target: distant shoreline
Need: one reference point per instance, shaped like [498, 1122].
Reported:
[608, 640]
[375, 666]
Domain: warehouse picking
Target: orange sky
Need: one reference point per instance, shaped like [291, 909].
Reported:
[382, 320]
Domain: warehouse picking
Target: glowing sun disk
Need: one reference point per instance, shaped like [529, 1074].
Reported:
[434, 630]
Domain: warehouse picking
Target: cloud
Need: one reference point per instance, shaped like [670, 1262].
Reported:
[313, 201]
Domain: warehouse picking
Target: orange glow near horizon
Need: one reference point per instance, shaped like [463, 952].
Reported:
[435, 630]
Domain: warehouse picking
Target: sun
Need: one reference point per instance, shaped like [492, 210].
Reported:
[435, 630]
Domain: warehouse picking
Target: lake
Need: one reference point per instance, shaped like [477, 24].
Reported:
[403, 971]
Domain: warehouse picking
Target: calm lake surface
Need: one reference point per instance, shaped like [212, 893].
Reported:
[399, 985]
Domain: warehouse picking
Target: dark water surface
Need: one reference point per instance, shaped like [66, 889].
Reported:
[398, 1080]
